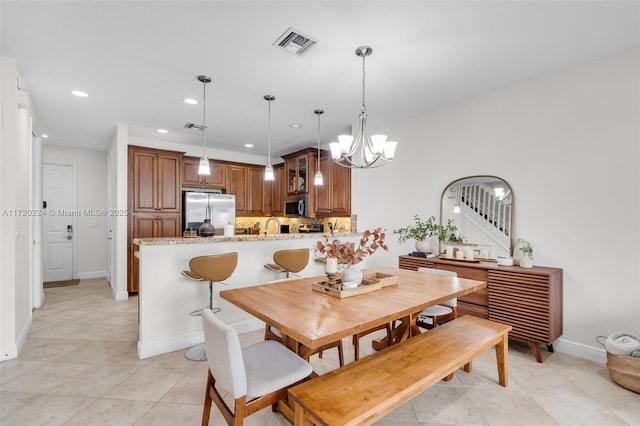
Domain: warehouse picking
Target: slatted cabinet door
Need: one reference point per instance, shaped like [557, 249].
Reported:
[531, 303]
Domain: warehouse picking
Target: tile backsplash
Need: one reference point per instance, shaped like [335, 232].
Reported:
[340, 224]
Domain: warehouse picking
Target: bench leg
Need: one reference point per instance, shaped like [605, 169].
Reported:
[298, 415]
[502, 349]
[447, 378]
[468, 367]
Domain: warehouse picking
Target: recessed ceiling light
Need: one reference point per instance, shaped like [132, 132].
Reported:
[248, 145]
[44, 135]
[163, 131]
[80, 93]
[295, 126]
[190, 101]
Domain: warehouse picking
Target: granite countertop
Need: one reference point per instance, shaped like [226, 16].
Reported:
[237, 238]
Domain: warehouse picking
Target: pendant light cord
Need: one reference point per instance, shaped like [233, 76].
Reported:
[204, 115]
[269, 135]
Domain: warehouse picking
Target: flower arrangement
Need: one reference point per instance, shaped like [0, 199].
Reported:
[420, 230]
[348, 253]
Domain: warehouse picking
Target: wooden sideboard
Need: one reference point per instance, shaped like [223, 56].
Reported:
[528, 299]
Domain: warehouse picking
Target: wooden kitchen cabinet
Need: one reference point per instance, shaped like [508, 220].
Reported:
[278, 191]
[333, 198]
[154, 200]
[191, 179]
[155, 179]
[300, 169]
[528, 299]
[251, 191]
[147, 225]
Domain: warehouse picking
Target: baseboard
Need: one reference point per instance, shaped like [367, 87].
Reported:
[11, 351]
[248, 326]
[119, 296]
[148, 350]
[89, 275]
[591, 353]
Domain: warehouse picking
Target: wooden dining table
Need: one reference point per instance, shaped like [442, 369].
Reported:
[309, 319]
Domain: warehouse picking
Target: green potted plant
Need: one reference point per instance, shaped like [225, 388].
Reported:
[420, 231]
[526, 261]
[448, 233]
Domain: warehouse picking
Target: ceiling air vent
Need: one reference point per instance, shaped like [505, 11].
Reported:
[193, 126]
[294, 41]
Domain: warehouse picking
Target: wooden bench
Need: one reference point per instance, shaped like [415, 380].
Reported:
[366, 390]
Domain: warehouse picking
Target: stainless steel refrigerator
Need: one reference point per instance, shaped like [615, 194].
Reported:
[200, 205]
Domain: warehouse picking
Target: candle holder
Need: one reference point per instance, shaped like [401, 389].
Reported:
[332, 279]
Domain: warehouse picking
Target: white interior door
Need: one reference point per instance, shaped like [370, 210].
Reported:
[58, 223]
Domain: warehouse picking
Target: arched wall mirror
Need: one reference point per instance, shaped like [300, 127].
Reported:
[481, 207]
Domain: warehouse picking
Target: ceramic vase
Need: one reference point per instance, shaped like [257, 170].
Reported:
[352, 273]
[526, 261]
[206, 229]
[423, 246]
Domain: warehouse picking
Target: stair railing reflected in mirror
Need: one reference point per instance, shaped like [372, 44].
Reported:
[484, 215]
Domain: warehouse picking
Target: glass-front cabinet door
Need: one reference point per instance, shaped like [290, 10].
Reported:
[297, 174]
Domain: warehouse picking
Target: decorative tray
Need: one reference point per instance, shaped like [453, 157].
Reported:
[371, 282]
[384, 279]
[341, 293]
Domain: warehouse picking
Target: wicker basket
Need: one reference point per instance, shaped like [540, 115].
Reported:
[624, 370]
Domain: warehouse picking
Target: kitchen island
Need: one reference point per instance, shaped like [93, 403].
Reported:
[166, 297]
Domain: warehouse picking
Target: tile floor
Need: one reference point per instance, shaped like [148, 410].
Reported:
[79, 367]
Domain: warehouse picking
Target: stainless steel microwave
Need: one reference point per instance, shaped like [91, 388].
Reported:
[296, 206]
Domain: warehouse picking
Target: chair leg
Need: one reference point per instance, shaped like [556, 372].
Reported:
[239, 411]
[340, 354]
[206, 410]
[356, 347]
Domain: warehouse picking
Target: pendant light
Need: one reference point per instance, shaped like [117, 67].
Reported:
[203, 168]
[456, 208]
[318, 180]
[362, 151]
[268, 171]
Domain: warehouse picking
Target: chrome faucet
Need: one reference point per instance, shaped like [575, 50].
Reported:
[266, 224]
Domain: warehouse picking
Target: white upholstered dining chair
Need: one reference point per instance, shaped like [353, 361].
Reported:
[255, 377]
[446, 311]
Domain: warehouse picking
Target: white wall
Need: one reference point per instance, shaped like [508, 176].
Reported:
[15, 197]
[568, 144]
[91, 186]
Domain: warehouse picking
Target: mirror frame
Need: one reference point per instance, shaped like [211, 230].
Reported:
[511, 195]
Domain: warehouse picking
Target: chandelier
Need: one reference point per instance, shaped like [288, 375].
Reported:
[362, 151]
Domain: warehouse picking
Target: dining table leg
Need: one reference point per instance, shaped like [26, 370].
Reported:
[399, 333]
